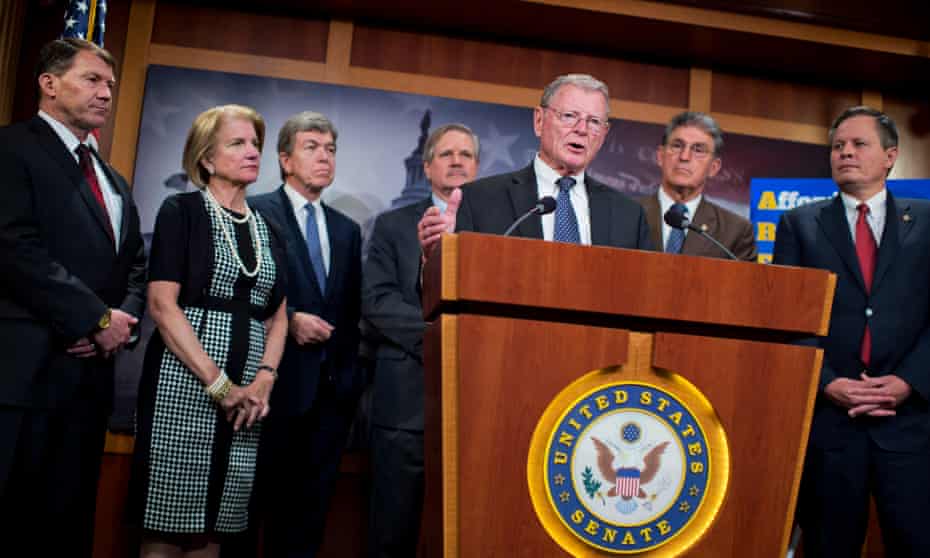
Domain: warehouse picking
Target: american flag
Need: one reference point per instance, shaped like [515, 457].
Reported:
[84, 19]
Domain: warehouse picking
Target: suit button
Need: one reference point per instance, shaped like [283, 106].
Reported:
[868, 312]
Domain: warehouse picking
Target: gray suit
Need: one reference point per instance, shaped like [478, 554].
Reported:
[391, 307]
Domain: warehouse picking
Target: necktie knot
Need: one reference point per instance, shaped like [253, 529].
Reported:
[565, 183]
[681, 208]
[83, 153]
[863, 210]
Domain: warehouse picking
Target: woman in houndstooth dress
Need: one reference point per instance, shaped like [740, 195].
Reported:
[216, 295]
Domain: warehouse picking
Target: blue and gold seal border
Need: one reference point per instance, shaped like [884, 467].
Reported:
[714, 485]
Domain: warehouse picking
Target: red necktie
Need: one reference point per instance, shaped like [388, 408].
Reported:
[866, 249]
[90, 175]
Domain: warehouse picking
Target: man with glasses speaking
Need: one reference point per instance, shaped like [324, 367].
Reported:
[688, 157]
[571, 123]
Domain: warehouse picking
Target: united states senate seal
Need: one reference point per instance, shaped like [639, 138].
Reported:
[627, 467]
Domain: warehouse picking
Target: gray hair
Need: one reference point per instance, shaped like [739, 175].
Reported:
[429, 149]
[582, 81]
[698, 120]
[306, 121]
[887, 130]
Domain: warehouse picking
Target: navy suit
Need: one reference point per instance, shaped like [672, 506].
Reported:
[491, 204]
[890, 456]
[391, 306]
[59, 272]
[318, 384]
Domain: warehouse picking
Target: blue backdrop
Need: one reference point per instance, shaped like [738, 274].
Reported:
[770, 197]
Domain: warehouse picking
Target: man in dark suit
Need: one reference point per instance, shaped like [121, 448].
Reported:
[72, 272]
[871, 426]
[571, 123]
[688, 156]
[319, 380]
[391, 305]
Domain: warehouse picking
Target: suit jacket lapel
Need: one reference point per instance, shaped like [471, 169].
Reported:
[706, 220]
[336, 238]
[53, 145]
[896, 230]
[833, 222]
[303, 256]
[523, 190]
[599, 209]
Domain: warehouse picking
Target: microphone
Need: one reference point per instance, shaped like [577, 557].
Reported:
[676, 218]
[544, 206]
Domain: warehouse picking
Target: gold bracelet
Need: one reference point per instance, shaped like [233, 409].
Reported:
[220, 387]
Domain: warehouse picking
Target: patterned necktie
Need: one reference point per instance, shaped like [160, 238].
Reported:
[866, 250]
[314, 248]
[676, 239]
[90, 175]
[566, 223]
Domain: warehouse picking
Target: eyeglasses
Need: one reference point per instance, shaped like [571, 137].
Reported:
[570, 119]
[698, 150]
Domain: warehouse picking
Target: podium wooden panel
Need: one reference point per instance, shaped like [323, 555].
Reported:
[515, 321]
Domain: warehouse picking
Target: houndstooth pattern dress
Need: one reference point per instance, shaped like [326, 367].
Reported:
[197, 473]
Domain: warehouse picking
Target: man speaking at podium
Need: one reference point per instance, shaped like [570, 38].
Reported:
[571, 124]
[871, 426]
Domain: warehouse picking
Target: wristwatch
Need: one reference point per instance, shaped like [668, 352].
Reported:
[104, 321]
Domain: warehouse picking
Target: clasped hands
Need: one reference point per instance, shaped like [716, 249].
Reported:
[876, 396]
[106, 342]
[244, 406]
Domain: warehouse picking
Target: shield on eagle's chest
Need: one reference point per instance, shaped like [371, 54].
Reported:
[627, 482]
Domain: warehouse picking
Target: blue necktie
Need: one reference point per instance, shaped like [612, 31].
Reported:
[566, 223]
[677, 237]
[314, 248]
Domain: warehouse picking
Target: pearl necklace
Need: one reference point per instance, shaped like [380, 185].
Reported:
[249, 218]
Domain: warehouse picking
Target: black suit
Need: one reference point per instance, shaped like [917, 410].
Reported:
[491, 204]
[728, 228]
[59, 272]
[391, 306]
[318, 384]
[890, 456]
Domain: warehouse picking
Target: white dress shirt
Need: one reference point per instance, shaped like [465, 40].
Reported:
[299, 205]
[666, 203]
[111, 197]
[878, 211]
[546, 186]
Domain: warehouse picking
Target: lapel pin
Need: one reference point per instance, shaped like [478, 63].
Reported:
[906, 218]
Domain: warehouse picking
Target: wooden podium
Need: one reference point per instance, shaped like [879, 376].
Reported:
[519, 323]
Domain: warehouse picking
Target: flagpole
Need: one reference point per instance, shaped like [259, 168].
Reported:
[90, 20]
